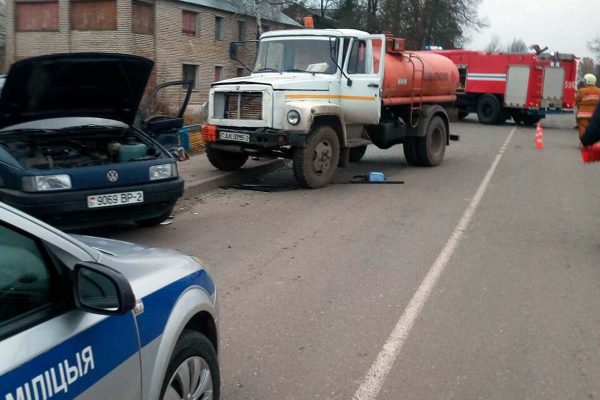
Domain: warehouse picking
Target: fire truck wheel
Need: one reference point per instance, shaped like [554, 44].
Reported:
[357, 153]
[432, 147]
[410, 152]
[488, 109]
[315, 163]
[225, 160]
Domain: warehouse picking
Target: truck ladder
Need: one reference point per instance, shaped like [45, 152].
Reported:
[413, 107]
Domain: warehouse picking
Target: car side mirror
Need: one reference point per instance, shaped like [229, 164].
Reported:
[102, 290]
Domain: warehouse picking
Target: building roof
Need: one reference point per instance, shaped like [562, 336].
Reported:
[246, 7]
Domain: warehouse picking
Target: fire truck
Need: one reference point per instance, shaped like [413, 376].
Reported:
[319, 97]
[524, 87]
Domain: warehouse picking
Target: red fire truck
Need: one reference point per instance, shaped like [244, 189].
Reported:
[524, 87]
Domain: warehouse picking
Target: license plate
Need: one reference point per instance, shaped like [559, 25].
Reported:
[237, 137]
[115, 199]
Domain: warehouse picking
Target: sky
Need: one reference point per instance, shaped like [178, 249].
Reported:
[562, 25]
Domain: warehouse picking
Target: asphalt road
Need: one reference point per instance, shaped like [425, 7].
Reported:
[312, 283]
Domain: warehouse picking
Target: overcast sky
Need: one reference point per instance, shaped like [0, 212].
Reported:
[563, 25]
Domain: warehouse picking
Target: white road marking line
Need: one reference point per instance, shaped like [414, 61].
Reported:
[373, 381]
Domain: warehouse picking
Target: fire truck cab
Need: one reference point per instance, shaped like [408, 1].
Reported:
[524, 87]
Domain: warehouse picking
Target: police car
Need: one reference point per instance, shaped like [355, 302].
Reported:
[90, 318]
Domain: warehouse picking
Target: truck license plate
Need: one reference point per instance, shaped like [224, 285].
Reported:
[115, 199]
[238, 137]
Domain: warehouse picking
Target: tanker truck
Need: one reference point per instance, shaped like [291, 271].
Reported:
[320, 97]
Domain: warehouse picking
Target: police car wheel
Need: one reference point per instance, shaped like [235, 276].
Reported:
[193, 371]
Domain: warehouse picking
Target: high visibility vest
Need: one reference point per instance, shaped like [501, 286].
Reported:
[587, 99]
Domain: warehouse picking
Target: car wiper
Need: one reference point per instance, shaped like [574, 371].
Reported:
[297, 70]
[267, 69]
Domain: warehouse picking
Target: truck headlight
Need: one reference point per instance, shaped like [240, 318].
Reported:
[293, 117]
[163, 171]
[46, 183]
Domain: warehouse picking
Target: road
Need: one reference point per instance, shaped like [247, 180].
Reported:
[313, 283]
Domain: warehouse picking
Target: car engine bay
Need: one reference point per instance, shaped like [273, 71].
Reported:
[78, 148]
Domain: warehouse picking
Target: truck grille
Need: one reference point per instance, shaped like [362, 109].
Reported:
[243, 106]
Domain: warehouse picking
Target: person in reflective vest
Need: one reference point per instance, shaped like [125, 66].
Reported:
[592, 133]
[587, 99]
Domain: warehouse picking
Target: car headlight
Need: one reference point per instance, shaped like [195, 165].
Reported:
[163, 171]
[46, 182]
[293, 117]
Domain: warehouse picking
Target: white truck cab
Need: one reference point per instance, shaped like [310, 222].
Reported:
[312, 97]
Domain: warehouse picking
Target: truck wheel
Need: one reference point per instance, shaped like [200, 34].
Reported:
[193, 371]
[489, 110]
[315, 163]
[432, 147]
[225, 160]
[357, 153]
[410, 152]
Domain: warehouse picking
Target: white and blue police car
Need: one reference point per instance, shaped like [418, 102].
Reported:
[90, 318]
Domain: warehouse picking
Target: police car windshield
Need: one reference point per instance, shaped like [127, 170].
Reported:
[295, 55]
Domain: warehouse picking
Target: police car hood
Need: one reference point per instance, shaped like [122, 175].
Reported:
[146, 268]
[282, 81]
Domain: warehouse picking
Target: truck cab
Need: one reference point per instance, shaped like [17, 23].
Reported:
[314, 96]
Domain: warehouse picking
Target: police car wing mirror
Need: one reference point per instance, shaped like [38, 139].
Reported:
[102, 290]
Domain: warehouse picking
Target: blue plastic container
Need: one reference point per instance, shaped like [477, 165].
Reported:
[129, 152]
[376, 177]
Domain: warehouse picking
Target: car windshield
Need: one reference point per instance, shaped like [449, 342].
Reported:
[298, 54]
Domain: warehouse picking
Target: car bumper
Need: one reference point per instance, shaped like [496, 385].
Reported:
[261, 138]
[70, 209]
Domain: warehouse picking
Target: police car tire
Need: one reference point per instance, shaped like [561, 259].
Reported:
[225, 160]
[357, 153]
[190, 344]
[150, 222]
[432, 147]
[410, 152]
[303, 158]
[492, 102]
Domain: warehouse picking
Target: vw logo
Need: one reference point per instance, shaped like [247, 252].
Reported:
[112, 175]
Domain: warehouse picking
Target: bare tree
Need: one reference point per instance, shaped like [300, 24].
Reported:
[586, 66]
[594, 46]
[494, 46]
[517, 46]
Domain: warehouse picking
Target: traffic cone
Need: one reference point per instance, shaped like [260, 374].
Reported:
[539, 136]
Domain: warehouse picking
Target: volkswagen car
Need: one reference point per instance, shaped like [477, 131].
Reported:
[73, 149]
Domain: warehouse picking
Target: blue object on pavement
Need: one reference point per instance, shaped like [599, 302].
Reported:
[376, 177]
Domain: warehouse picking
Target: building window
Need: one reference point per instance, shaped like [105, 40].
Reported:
[142, 17]
[94, 15]
[190, 73]
[190, 23]
[241, 31]
[240, 72]
[219, 28]
[218, 73]
[36, 15]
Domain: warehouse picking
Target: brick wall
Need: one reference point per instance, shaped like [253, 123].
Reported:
[169, 47]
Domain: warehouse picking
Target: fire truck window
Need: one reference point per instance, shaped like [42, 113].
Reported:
[357, 61]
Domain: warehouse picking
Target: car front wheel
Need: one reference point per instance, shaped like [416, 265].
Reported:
[193, 371]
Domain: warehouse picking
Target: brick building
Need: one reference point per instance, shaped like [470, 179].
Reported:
[186, 38]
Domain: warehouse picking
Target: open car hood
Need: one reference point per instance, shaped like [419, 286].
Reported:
[74, 85]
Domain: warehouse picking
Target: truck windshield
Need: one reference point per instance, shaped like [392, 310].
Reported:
[295, 55]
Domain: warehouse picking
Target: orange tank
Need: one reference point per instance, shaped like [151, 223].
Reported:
[410, 74]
